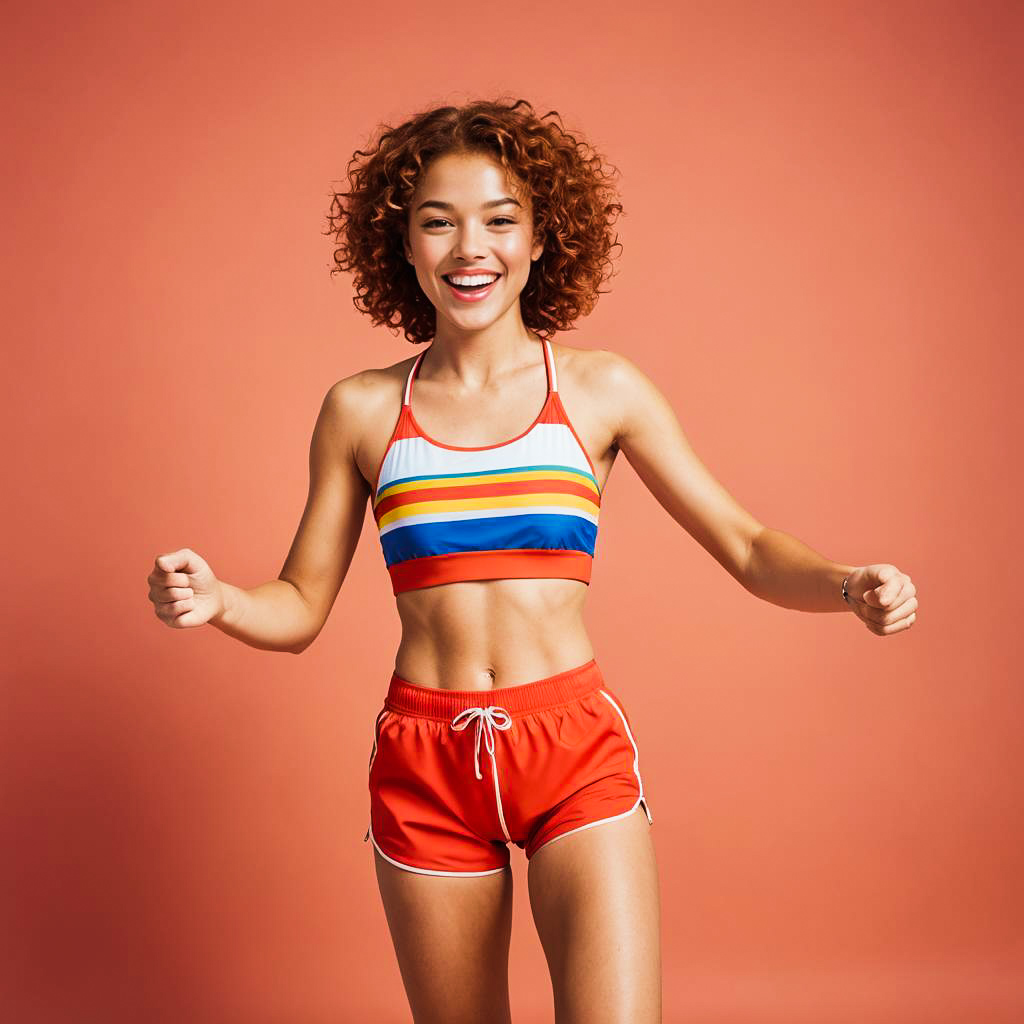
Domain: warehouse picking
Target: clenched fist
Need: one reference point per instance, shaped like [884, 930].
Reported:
[884, 598]
[183, 590]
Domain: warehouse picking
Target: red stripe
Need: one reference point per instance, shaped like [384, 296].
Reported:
[489, 490]
[454, 567]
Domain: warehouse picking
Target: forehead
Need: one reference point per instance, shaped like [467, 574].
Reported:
[469, 178]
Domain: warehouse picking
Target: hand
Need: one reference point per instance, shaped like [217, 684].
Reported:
[883, 598]
[183, 590]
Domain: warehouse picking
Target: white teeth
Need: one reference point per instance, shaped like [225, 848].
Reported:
[484, 279]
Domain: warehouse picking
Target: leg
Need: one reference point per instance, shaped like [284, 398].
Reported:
[595, 901]
[451, 937]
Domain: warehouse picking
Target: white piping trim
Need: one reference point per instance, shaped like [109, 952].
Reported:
[487, 720]
[636, 753]
[551, 364]
[412, 373]
[497, 796]
[373, 753]
[376, 734]
[408, 867]
[647, 810]
[601, 821]
[641, 800]
[425, 871]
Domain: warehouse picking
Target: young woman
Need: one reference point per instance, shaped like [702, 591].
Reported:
[484, 458]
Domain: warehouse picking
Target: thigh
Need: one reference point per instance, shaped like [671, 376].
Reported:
[595, 900]
[451, 936]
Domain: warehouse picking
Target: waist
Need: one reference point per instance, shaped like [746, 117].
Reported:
[407, 697]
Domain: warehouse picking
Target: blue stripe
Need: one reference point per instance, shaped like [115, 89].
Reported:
[531, 530]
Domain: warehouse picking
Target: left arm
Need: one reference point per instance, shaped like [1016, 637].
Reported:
[769, 563]
[785, 571]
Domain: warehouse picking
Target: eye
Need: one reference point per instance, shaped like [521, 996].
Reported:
[442, 220]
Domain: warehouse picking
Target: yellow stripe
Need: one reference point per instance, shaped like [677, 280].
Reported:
[433, 483]
[468, 504]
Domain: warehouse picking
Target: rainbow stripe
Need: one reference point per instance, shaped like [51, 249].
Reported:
[527, 508]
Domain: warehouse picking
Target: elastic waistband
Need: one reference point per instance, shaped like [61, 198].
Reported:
[434, 702]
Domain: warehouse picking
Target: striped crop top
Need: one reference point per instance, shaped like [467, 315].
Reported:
[524, 508]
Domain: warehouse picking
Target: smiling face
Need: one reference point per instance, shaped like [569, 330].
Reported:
[467, 219]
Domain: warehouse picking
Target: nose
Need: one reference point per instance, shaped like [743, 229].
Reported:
[469, 244]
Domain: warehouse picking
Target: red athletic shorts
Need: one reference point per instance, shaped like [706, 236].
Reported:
[456, 775]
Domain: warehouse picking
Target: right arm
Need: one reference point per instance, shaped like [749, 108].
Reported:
[285, 614]
[289, 612]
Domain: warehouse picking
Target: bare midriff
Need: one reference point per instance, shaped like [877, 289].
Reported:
[488, 634]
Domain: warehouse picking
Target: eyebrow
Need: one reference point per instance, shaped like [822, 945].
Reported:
[451, 206]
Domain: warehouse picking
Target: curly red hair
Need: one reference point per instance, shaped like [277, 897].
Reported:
[574, 208]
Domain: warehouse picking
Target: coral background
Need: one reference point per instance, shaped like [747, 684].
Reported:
[829, 194]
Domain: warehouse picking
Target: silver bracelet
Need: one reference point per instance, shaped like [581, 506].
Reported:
[846, 596]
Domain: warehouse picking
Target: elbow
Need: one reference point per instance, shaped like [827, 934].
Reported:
[748, 564]
[308, 622]
[301, 645]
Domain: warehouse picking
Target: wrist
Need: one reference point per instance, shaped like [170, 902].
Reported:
[228, 600]
[844, 588]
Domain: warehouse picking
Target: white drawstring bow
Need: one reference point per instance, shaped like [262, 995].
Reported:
[487, 720]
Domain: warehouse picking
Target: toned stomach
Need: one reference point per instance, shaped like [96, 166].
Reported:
[488, 634]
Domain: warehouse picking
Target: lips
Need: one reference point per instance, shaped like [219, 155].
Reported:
[475, 296]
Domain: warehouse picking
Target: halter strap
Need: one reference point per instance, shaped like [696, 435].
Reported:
[412, 373]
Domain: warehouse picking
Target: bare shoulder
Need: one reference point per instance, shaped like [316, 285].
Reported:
[610, 380]
[359, 412]
[592, 370]
[365, 396]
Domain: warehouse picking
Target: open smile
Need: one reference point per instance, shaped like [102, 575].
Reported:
[476, 290]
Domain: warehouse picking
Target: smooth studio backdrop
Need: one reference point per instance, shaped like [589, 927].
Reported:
[821, 270]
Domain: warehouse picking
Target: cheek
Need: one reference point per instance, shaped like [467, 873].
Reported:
[515, 251]
[428, 256]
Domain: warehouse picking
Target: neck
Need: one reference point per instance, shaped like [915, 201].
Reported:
[477, 360]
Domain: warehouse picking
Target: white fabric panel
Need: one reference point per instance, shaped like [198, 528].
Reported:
[545, 444]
